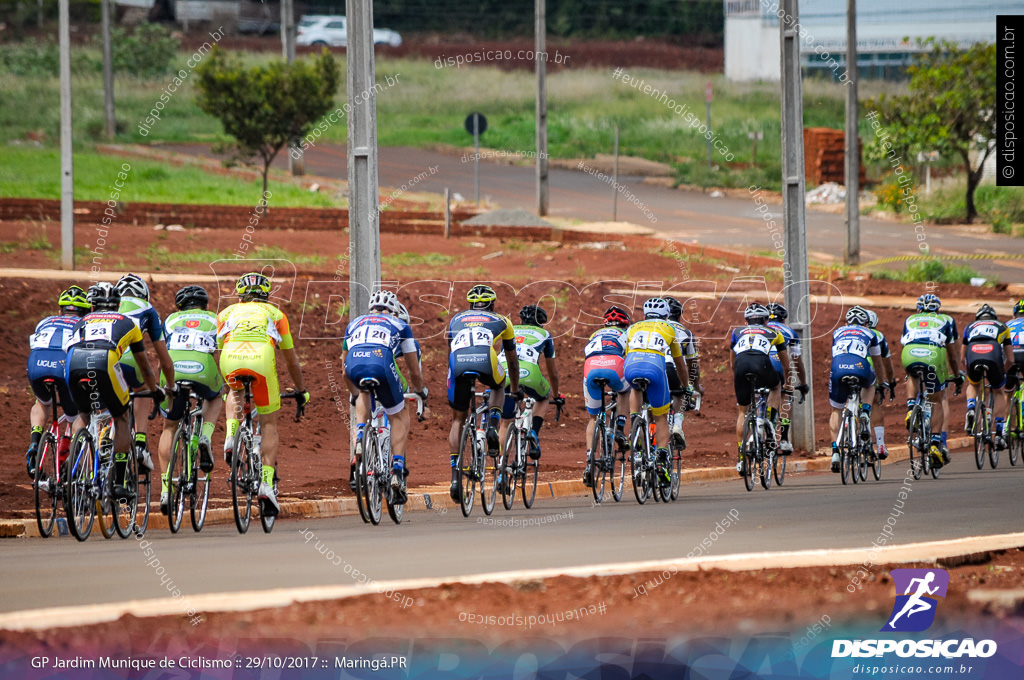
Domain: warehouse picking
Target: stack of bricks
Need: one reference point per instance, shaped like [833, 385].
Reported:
[824, 151]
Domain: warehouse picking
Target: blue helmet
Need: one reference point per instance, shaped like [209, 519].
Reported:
[929, 303]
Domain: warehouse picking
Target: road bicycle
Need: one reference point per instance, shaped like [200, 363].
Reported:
[375, 462]
[185, 479]
[919, 426]
[643, 468]
[48, 485]
[247, 464]
[676, 448]
[1015, 422]
[90, 474]
[853, 439]
[980, 417]
[779, 467]
[472, 462]
[516, 467]
[759, 447]
[606, 465]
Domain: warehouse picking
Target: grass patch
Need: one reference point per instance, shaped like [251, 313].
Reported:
[929, 270]
[278, 253]
[408, 260]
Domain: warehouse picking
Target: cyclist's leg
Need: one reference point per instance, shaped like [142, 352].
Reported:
[459, 389]
[134, 381]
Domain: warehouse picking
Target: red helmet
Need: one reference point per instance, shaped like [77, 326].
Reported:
[616, 316]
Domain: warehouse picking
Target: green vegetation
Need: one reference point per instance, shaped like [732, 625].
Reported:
[35, 173]
[929, 270]
[409, 260]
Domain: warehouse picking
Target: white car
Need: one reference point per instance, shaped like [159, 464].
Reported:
[322, 30]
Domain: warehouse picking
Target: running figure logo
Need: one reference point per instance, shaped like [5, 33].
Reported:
[914, 610]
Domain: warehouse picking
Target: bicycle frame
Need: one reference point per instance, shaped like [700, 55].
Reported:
[760, 460]
[52, 485]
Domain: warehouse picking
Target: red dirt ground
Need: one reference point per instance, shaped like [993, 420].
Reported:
[313, 461]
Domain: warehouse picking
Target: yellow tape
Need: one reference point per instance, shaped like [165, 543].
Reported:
[912, 258]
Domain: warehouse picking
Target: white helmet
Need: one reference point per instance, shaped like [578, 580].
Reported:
[656, 308]
[386, 300]
[403, 313]
[872, 319]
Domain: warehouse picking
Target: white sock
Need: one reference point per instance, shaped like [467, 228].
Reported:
[880, 434]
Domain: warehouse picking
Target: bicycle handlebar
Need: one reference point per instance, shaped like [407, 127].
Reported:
[300, 406]
[412, 396]
[156, 395]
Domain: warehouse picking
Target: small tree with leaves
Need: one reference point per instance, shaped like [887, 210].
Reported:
[266, 107]
[950, 108]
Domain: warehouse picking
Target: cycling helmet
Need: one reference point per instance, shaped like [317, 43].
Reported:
[386, 300]
[253, 286]
[403, 313]
[132, 285]
[777, 312]
[74, 299]
[756, 313]
[986, 312]
[929, 303]
[616, 316]
[1018, 308]
[533, 315]
[656, 308]
[104, 296]
[481, 297]
[872, 319]
[857, 316]
[191, 297]
[675, 308]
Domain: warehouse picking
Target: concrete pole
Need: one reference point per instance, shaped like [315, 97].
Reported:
[851, 253]
[296, 154]
[67, 180]
[108, 73]
[542, 108]
[795, 273]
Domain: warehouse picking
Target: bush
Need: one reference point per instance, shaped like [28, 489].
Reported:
[929, 270]
[890, 195]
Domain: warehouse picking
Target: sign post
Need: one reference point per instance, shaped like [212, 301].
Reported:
[476, 125]
[708, 95]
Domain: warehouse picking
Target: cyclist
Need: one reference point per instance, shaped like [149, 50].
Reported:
[46, 362]
[604, 359]
[373, 343]
[1016, 328]
[136, 306]
[532, 343]
[777, 315]
[852, 345]
[987, 343]
[648, 342]
[929, 345]
[246, 333]
[192, 341]
[688, 346]
[471, 336]
[750, 352]
[889, 382]
[94, 372]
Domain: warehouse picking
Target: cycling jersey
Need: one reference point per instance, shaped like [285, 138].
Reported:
[792, 345]
[607, 340]
[752, 346]
[191, 337]
[925, 338]
[472, 335]
[1016, 328]
[851, 348]
[372, 344]
[760, 339]
[247, 332]
[148, 320]
[604, 360]
[983, 344]
[648, 343]
[46, 360]
[532, 343]
[94, 376]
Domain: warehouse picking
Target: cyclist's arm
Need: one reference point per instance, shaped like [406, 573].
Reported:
[551, 368]
[164, 357]
[145, 368]
[784, 358]
[512, 360]
[954, 359]
[415, 376]
[800, 373]
[695, 377]
[291, 360]
[888, 370]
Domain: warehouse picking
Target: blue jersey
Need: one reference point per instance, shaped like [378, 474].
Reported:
[792, 339]
[145, 317]
[856, 340]
[374, 333]
[607, 340]
[53, 333]
[1016, 328]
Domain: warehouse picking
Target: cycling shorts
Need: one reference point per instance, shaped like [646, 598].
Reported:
[258, 361]
[390, 392]
[602, 367]
[760, 365]
[200, 369]
[95, 381]
[842, 366]
[48, 364]
[652, 367]
[930, 361]
[467, 366]
[990, 355]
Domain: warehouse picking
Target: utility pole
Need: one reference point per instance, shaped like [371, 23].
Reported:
[851, 253]
[108, 73]
[540, 55]
[67, 181]
[296, 155]
[795, 272]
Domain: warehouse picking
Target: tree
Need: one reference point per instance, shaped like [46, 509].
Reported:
[950, 108]
[266, 107]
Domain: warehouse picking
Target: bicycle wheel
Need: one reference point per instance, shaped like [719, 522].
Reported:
[396, 511]
[640, 444]
[749, 452]
[374, 483]
[876, 467]
[845, 462]
[465, 461]
[268, 514]
[766, 462]
[124, 509]
[488, 489]
[199, 493]
[241, 482]
[531, 470]
[177, 479]
[1014, 444]
[509, 478]
[142, 512]
[618, 473]
[779, 468]
[360, 473]
[105, 502]
[993, 452]
[46, 471]
[676, 452]
[596, 460]
[80, 500]
[977, 431]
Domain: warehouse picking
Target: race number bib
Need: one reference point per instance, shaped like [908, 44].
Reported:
[929, 335]
[850, 346]
[44, 338]
[648, 340]
[986, 332]
[192, 340]
[757, 343]
[527, 354]
[370, 335]
[99, 331]
[472, 337]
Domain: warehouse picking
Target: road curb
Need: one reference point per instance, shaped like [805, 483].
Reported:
[435, 498]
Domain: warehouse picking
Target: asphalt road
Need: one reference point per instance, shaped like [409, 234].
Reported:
[810, 511]
[680, 215]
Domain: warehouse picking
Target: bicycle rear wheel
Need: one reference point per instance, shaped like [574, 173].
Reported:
[767, 461]
[598, 455]
[531, 469]
[488, 489]
[640, 444]
[977, 431]
[506, 468]
[268, 513]
[105, 503]
[993, 452]
[676, 460]
[374, 483]
[241, 482]
[464, 463]
[123, 510]
[46, 471]
[779, 467]
[845, 462]
[177, 480]
[80, 502]
[749, 452]
[618, 473]
[362, 497]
